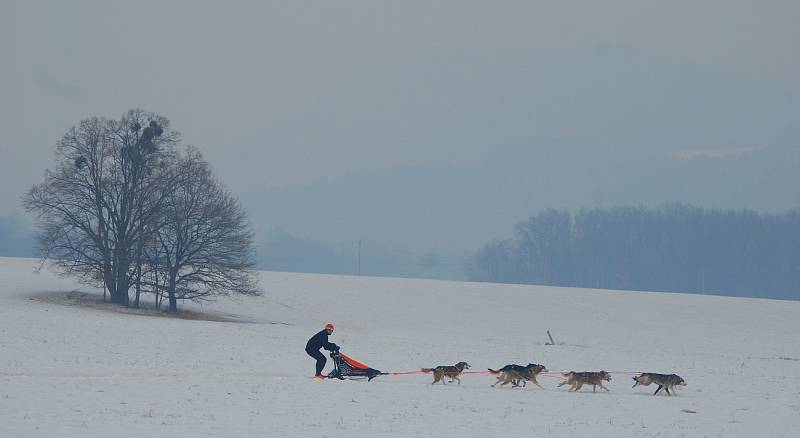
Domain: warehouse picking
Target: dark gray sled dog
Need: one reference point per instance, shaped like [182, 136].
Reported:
[515, 374]
[666, 381]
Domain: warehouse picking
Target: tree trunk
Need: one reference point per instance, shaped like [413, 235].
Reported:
[121, 285]
[119, 295]
[110, 285]
[157, 294]
[138, 282]
[173, 301]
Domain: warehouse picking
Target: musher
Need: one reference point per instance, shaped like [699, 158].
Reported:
[320, 340]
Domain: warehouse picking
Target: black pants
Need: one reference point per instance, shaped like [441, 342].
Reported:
[320, 359]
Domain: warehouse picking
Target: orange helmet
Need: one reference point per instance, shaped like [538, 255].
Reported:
[328, 326]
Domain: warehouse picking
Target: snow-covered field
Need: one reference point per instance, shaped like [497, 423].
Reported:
[71, 371]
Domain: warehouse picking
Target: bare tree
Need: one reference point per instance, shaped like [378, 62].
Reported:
[204, 247]
[111, 179]
[124, 208]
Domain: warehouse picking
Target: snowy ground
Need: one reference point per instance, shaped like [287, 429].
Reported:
[70, 371]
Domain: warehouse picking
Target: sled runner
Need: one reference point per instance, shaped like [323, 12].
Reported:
[348, 368]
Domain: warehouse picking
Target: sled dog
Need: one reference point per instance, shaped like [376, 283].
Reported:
[666, 381]
[450, 371]
[577, 380]
[515, 374]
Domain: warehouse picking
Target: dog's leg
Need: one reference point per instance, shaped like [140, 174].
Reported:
[657, 389]
[537, 384]
[666, 388]
[577, 386]
[459, 380]
[601, 385]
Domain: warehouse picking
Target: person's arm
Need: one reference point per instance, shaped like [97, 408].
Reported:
[330, 346]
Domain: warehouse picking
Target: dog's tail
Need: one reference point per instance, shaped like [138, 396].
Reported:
[426, 370]
[493, 371]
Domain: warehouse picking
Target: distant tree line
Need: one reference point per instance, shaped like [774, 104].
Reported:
[129, 210]
[676, 248]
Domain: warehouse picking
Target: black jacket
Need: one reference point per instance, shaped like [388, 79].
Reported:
[320, 340]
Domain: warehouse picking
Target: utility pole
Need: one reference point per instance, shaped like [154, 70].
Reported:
[703, 280]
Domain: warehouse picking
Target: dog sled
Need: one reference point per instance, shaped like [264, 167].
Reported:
[345, 367]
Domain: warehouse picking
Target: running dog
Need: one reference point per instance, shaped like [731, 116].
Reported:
[517, 373]
[450, 371]
[577, 380]
[665, 381]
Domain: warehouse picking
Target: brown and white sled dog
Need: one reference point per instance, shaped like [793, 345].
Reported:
[666, 381]
[515, 374]
[451, 371]
[576, 380]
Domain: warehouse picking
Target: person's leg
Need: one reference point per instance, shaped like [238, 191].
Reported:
[320, 360]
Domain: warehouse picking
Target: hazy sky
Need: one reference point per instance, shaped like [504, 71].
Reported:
[438, 123]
